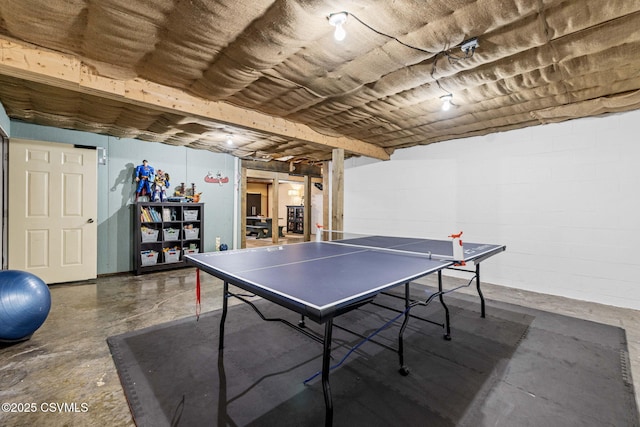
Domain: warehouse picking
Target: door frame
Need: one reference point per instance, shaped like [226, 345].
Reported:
[89, 193]
[4, 201]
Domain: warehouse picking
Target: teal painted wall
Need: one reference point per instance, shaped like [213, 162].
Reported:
[116, 187]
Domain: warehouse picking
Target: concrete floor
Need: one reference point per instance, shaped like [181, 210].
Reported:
[67, 360]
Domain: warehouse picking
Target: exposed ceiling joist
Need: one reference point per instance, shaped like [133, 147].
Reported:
[267, 80]
[314, 171]
[31, 63]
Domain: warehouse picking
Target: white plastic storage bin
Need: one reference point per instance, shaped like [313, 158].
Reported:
[149, 257]
[191, 233]
[190, 214]
[170, 234]
[188, 251]
[172, 255]
[149, 234]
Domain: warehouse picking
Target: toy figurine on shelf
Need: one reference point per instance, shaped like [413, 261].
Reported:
[191, 194]
[160, 185]
[180, 190]
[144, 172]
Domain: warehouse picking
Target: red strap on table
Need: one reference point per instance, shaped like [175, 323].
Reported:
[197, 294]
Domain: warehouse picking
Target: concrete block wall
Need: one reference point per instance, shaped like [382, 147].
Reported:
[563, 198]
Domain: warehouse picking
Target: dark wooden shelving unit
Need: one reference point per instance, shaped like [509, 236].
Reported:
[164, 232]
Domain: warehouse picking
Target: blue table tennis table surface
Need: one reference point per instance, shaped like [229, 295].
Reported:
[321, 280]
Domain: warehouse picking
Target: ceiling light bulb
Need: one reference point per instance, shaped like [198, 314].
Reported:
[229, 140]
[337, 20]
[446, 102]
[340, 33]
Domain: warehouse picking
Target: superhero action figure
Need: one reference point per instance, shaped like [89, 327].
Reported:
[144, 172]
[160, 185]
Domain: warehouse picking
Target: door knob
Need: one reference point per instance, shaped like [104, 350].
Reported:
[90, 220]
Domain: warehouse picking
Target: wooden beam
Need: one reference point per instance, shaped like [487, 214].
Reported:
[31, 63]
[243, 208]
[337, 190]
[283, 167]
[275, 203]
[308, 227]
[326, 200]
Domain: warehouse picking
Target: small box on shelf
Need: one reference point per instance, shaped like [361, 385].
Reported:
[190, 214]
[171, 255]
[171, 234]
[188, 251]
[149, 257]
[149, 234]
[191, 233]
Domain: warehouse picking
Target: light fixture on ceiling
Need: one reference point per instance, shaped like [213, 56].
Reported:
[446, 101]
[337, 20]
[468, 47]
[229, 140]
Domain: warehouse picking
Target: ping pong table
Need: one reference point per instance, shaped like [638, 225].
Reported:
[322, 280]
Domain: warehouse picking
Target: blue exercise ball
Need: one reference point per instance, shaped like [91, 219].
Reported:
[25, 302]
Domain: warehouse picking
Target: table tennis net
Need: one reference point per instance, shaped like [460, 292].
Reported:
[427, 248]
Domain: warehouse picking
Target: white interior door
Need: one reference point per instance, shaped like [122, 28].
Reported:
[52, 210]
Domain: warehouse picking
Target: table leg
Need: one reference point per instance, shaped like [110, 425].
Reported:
[326, 366]
[407, 301]
[482, 313]
[225, 306]
[447, 334]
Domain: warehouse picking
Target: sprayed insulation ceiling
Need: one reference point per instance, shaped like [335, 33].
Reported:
[270, 74]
